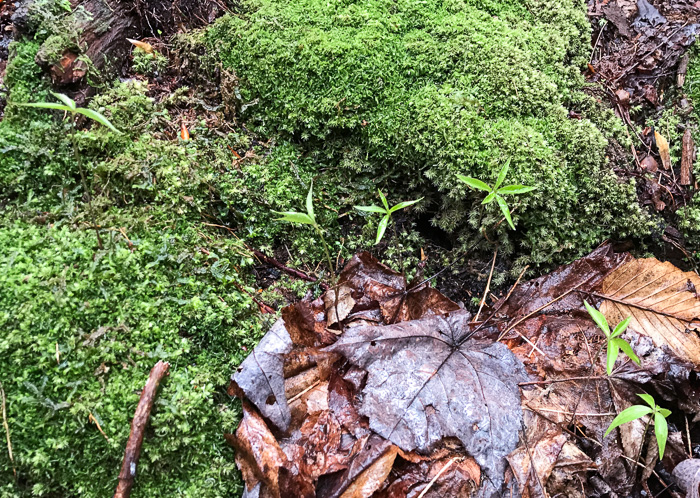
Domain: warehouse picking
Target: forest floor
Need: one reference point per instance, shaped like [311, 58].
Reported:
[161, 242]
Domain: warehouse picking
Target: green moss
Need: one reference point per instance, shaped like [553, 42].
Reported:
[414, 93]
[112, 314]
[147, 64]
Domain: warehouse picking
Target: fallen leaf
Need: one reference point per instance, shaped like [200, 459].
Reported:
[428, 380]
[649, 164]
[261, 378]
[687, 477]
[376, 284]
[373, 477]
[662, 301]
[145, 46]
[258, 455]
[533, 463]
[664, 151]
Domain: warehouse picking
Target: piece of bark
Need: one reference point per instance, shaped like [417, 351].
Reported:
[682, 70]
[138, 426]
[687, 159]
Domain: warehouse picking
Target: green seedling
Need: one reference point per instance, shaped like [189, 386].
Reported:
[657, 413]
[69, 106]
[308, 218]
[497, 192]
[386, 211]
[614, 343]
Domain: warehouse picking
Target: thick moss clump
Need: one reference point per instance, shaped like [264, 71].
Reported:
[416, 92]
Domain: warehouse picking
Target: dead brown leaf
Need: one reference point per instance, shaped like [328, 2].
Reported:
[662, 301]
[664, 150]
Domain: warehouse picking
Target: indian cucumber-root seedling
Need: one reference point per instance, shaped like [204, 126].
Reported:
[386, 211]
[308, 219]
[656, 413]
[613, 342]
[495, 193]
[70, 106]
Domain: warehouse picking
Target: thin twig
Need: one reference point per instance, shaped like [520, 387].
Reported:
[92, 419]
[434, 479]
[7, 429]
[554, 381]
[488, 286]
[537, 311]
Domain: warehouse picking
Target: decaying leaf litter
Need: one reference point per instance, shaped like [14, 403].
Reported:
[412, 397]
[640, 57]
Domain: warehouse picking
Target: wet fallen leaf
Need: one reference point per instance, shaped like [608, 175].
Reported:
[687, 477]
[258, 455]
[664, 151]
[427, 380]
[261, 378]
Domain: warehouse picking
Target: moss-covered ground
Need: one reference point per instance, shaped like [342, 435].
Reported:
[96, 286]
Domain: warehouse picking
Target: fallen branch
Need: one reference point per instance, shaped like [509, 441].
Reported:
[289, 271]
[138, 426]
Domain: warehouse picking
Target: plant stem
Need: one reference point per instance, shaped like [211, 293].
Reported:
[325, 250]
[78, 158]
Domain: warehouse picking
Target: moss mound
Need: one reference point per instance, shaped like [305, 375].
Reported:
[412, 93]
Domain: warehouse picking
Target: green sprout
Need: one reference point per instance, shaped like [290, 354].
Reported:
[308, 218]
[657, 413]
[614, 343]
[70, 106]
[497, 192]
[386, 211]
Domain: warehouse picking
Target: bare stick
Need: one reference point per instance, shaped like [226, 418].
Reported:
[434, 479]
[7, 430]
[138, 426]
[289, 271]
[488, 286]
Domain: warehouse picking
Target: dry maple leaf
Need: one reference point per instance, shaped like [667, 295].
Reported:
[428, 380]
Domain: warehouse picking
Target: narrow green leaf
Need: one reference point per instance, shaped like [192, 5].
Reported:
[402, 205]
[613, 351]
[97, 117]
[664, 412]
[384, 201]
[474, 183]
[310, 202]
[48, 105]
[661, 431]
[627, 349]
[621, 327]
[371, 209]
[489, 198]
[515, 189]
[505, 210]
[382, 228]
[502, 175]
[648, 399]
[65, 99]
[294, 217]
[598, 318]
[628, 415]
